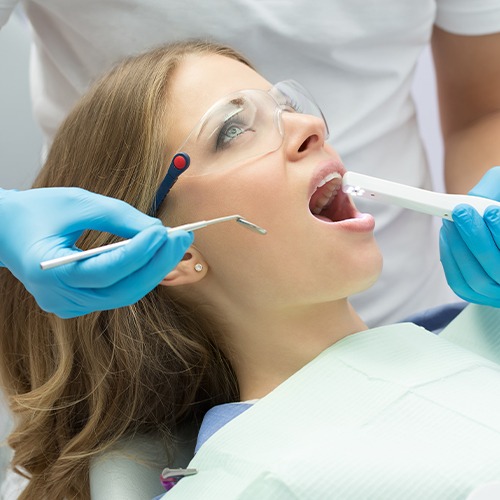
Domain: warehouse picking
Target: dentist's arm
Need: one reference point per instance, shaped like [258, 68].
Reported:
[42, 224]
[468, 82]
[470, 247]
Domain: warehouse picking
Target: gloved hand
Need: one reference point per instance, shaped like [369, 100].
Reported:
[42, 224]
[470, 247]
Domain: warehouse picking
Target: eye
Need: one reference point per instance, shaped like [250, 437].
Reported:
[228, 133]
[292, 105]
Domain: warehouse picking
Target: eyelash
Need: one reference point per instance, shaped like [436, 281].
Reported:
[222, 139]
[293, 104]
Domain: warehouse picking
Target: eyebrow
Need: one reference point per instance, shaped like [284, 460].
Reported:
[234, 106]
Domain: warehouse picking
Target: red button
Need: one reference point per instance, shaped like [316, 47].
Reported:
[179, 162]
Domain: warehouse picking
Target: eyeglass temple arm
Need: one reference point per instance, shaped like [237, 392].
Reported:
[179, 164]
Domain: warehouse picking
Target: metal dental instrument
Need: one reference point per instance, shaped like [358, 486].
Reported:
[420, 200]
[49, 264]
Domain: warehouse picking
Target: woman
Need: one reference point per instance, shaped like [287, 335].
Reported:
[240, 314]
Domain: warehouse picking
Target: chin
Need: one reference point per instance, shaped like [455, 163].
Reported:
[369, 268]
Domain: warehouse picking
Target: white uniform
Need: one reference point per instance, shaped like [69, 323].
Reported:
[357, 57]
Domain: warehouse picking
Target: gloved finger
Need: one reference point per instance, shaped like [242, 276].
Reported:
[489, 185]
[492, 219]
[473, 273]
[454, 276]
[102, 213]
[137, 285]
[478, 238]
[102, 271]
[455, 279]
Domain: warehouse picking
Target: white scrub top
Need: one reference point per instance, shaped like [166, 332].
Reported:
[357, 57]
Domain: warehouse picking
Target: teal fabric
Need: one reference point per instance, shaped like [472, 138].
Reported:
[393, 412]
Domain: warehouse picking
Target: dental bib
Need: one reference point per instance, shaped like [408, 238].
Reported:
[393, 412]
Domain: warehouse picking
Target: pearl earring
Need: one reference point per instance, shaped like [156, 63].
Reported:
[198, 268]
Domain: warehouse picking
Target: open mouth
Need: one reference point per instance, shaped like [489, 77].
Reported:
[329, 203]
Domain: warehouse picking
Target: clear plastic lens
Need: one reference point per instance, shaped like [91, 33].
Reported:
[244, 125]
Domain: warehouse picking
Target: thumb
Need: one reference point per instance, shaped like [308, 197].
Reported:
[489, 185]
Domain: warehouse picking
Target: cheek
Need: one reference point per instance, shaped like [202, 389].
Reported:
[244, 192]
[231, 250]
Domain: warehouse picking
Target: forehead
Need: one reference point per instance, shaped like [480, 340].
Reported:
[200, 81]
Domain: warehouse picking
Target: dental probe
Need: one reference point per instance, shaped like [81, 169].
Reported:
[193, 226]
[420, 200]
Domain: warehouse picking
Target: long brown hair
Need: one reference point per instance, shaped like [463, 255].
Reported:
[77, 386]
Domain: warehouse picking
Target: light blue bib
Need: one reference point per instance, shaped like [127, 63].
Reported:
[391, 413]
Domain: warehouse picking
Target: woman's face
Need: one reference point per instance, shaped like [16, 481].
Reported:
[304, 259]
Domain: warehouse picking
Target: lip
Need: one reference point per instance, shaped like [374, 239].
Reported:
[359, 222]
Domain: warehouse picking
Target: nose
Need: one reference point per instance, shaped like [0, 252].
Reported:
[303, 133]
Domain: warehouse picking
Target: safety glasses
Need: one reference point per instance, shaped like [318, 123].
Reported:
[239, 127]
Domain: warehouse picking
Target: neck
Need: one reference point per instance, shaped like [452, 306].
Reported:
[267, 347]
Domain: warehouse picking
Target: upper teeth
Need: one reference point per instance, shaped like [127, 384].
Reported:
[328, 178]
[326, 197]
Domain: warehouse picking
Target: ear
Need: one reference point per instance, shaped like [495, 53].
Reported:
[191, 269]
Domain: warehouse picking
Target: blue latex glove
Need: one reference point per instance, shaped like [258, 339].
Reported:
[42, 224]
[470, 247]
